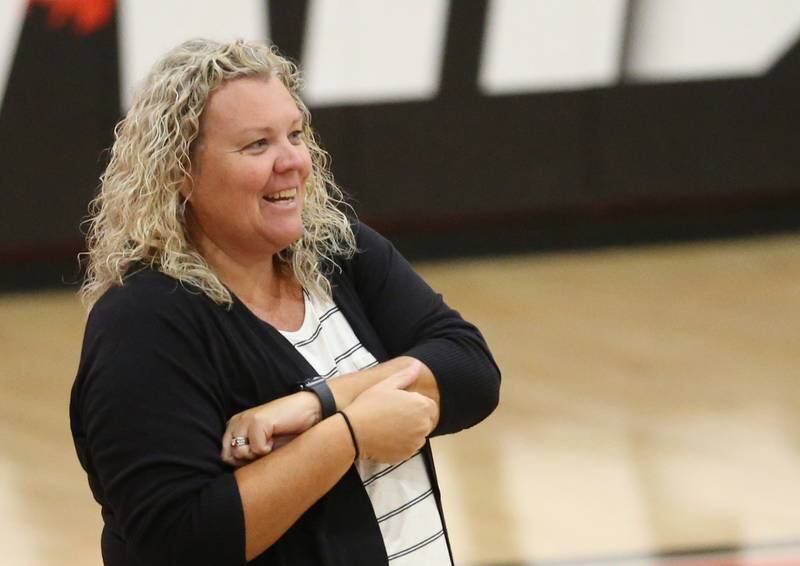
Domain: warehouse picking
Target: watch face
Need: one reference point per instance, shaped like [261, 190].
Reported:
[311, 382]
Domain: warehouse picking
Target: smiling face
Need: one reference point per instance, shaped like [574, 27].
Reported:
[249, 170]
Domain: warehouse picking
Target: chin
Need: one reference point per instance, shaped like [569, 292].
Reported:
[288, 237]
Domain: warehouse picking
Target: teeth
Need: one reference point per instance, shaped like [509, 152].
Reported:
[287, 194]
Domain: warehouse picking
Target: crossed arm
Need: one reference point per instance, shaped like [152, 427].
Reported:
[393, 407]
[271, 425]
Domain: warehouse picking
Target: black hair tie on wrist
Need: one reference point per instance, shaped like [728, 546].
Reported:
[352, 432]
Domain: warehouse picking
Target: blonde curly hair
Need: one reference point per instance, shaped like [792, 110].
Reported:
[138, 216]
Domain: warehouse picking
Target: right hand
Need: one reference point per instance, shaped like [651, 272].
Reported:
[269, 426]
[391, 424]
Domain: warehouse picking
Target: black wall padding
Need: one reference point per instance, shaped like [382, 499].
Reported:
[58, 114]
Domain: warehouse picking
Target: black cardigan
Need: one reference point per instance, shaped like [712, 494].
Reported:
[163, 368]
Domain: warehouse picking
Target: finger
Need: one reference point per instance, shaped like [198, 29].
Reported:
[429, 411]
[242, 451]
[261, 442]
[433, 408]
[228, 457]
[435, 414]
[226, 446]
[403, 378]
[227, 436]
[433, 422]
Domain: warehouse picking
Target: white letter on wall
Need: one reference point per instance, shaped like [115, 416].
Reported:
[12, 18]
[692, 39]
[148, 29]
[541, 45]
[361, 51]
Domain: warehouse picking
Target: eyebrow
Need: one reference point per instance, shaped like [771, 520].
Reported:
[252, 129]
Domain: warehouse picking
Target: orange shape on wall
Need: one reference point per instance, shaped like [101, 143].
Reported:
[86, 16]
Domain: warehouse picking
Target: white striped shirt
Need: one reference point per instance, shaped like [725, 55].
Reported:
[401, 494]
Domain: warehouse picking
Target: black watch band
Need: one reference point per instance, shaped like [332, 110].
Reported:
[319, 387]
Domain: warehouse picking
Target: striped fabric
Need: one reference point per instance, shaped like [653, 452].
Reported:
[401, 493]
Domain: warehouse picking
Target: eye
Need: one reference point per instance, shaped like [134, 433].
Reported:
[256, 145]
[296, 136]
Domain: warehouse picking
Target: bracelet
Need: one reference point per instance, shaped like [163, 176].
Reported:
[352, 432]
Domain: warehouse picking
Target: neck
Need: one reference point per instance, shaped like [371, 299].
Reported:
[259, 281]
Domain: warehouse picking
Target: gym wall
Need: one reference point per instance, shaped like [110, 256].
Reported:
[468, 126]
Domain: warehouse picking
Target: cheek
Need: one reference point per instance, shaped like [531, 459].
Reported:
[254, 177]
[249, 177]
[305, 167]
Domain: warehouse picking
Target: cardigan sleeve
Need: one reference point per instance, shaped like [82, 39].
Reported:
[148, 409]
[413, 320]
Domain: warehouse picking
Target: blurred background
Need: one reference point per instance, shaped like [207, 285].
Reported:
[610, 189]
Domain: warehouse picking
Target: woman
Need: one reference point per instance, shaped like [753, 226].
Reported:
[227, 290]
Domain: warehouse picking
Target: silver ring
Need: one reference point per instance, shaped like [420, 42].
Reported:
[239, 441]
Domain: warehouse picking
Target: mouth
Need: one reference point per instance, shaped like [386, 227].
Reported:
[285, 196]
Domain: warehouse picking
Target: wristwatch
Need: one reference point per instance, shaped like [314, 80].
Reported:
[319, 386]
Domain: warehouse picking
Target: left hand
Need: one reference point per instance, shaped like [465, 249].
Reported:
[269, 426]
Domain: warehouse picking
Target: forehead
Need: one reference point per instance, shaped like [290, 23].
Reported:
[249, 102]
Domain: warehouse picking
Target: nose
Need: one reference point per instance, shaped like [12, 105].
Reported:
[291, 157]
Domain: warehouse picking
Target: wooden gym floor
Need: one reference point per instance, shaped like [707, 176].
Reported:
[650, 409]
